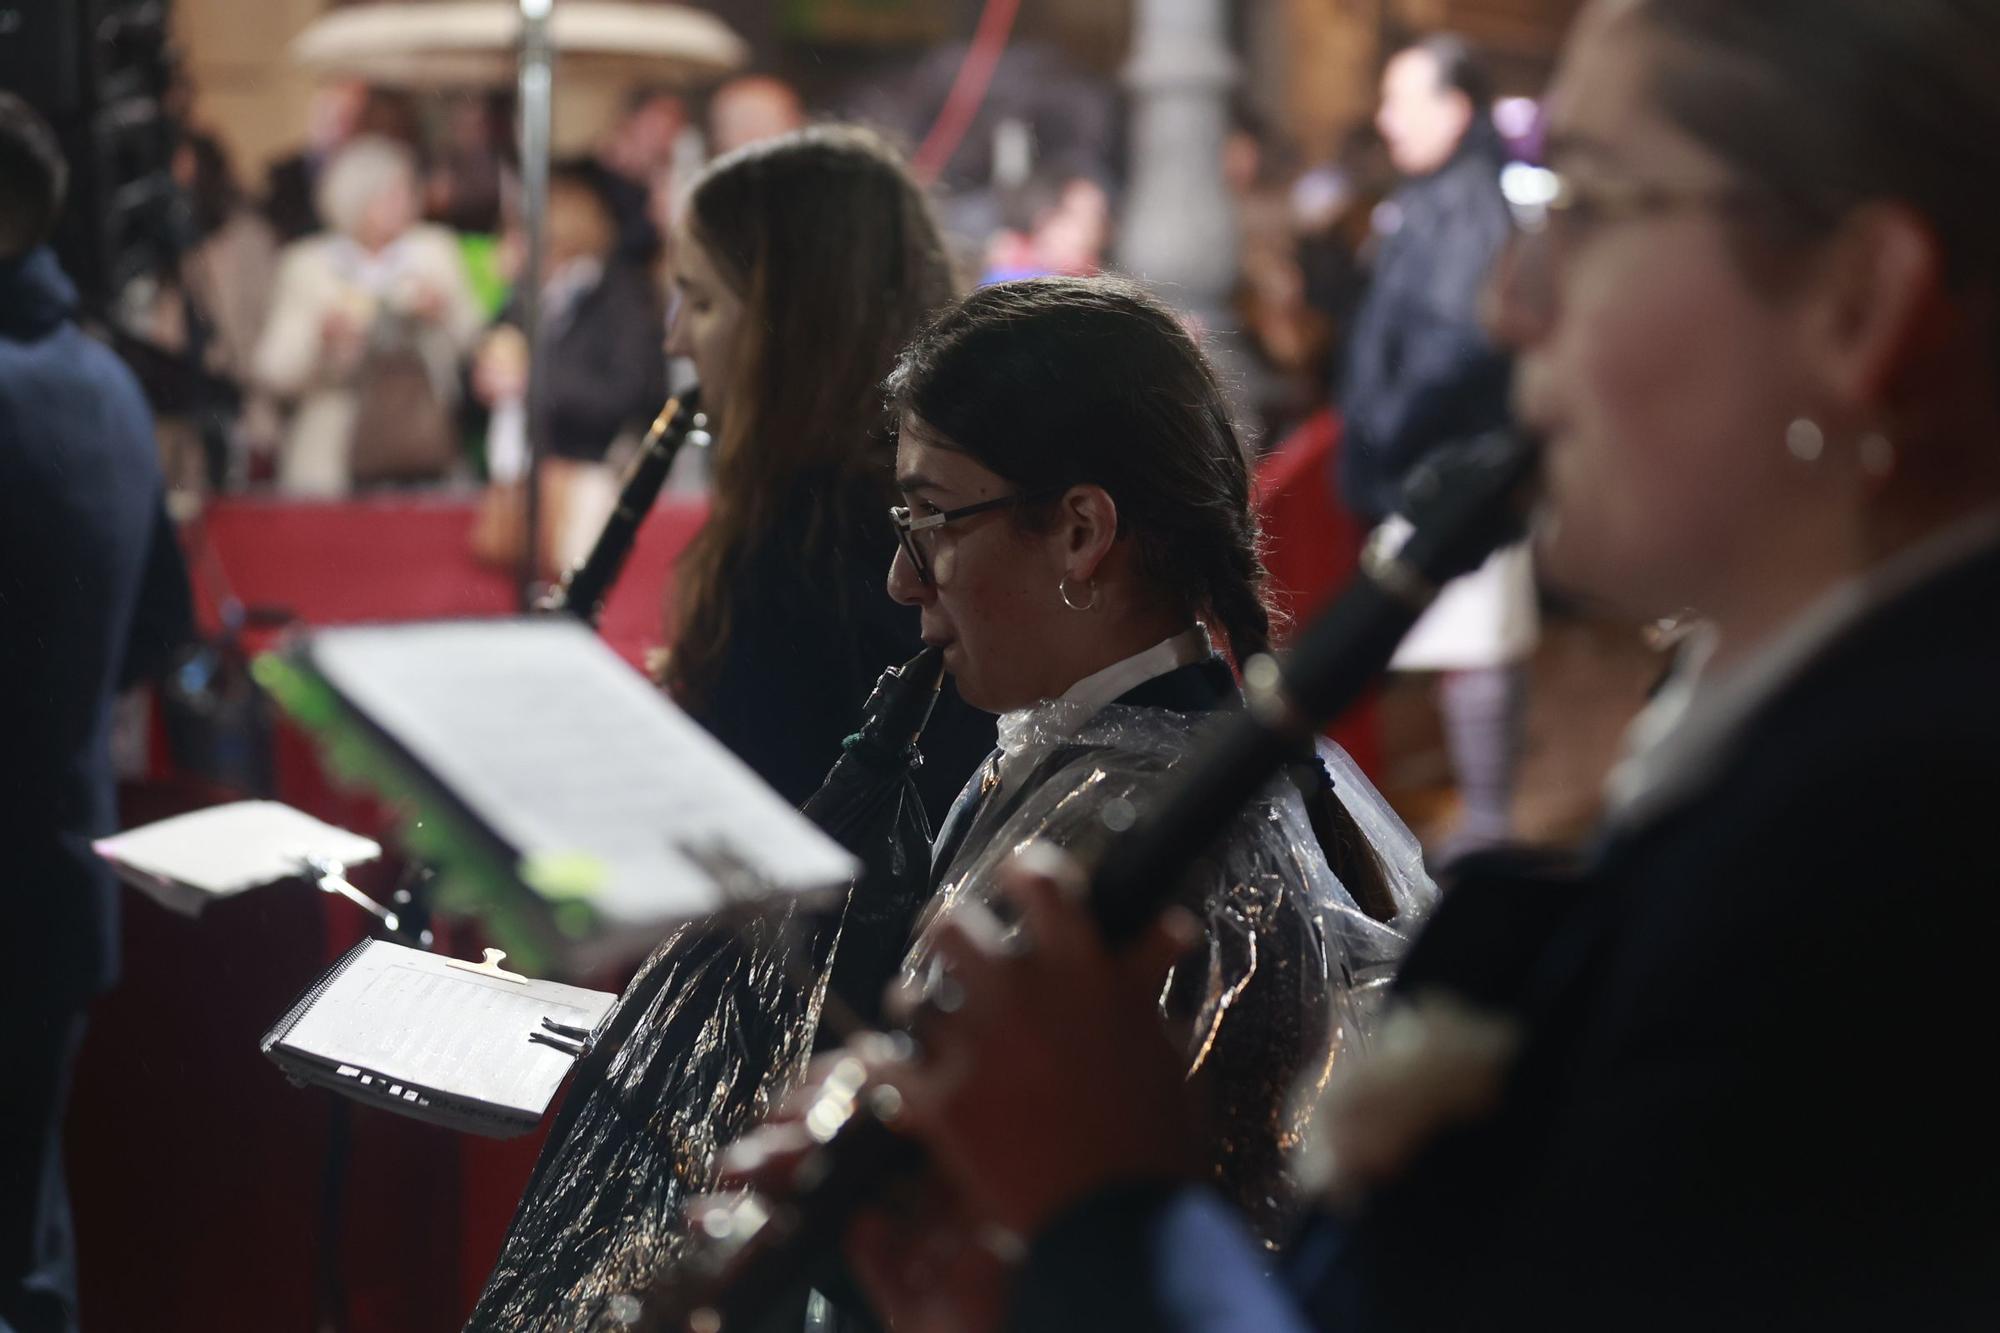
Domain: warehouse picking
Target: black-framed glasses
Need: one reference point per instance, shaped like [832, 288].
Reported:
[907, 527]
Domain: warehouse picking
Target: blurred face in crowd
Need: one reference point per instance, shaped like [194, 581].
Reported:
[750, 110]
[1661, 376]
[389, 212]
[1422, 119]
[708, 317]
[643, 144]
[991, 599]
[334, 114]
[579, 226]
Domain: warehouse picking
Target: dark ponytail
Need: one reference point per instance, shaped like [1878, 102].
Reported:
[1058, 382]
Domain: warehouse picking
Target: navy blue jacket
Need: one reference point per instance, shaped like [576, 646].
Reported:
[1420, 373]
[1755, 1090]
[85, 552]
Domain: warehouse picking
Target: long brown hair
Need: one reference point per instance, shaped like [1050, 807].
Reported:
[837, 258]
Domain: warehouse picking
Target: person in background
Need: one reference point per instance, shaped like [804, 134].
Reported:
[1421, 374]
[291, 186]
[750, 109]
[1051, 227]
[1729, 1071]
[470, 172]
[1333, 206]
[634, 167]
[93, 596]
[603, 374]
[339, 112]
[217, 300]
[1288, 369]
[802, 264]
[366, 333]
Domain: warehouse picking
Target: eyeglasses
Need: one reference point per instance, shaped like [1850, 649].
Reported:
[1554, 213]
[1551, 204]
[907, 527]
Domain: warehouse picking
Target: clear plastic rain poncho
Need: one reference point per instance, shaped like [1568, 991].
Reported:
[1290, 972]
[1284, 986]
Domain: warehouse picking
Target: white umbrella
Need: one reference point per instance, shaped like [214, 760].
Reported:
[476, 43]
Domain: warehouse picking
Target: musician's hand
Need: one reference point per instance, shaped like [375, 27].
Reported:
[1053, 1076]
[500, 367]
[926, 1265]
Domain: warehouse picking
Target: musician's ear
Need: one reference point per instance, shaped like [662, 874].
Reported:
[1087, 517]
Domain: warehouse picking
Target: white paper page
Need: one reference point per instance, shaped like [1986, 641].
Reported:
[227, 849]
[414, 1018]
[564, 749]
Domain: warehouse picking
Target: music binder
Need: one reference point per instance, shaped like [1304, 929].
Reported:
[562, 797]
[466, 1046]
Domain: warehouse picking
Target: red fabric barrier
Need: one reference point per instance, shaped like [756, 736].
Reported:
[199, 1176]
[410, 559]
[1312, 546]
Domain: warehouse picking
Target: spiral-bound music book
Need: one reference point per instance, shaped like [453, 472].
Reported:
[466, 1046]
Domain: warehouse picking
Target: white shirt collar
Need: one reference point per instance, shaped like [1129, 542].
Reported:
[1677, 741]
[1101, 687]
[1083, 700]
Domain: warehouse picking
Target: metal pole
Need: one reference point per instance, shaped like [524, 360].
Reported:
[537, 74]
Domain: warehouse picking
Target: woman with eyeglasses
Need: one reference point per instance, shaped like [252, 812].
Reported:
[1077, 535]
[1728, 1071]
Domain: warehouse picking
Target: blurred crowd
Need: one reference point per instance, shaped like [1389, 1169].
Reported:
[355, 309]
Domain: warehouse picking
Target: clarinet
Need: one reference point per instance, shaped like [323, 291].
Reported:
[1465, 506]
[585, 587]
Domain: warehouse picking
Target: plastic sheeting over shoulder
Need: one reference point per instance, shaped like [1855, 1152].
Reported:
[1289, 970]
[1283, 985]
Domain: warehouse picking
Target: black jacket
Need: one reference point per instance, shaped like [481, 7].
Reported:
[1420, 372]
[602, 365]
[1754, 1091]
[805, 649]
[86, 555]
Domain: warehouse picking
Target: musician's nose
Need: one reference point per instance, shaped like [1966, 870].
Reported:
[904, 585]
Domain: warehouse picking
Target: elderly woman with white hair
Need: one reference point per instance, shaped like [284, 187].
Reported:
[366, 332]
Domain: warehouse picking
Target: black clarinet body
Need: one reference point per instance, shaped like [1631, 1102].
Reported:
[585, 587]
[1465, 507]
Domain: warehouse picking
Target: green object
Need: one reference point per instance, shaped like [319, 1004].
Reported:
[529, 909]
[565, 875]
[480, 254]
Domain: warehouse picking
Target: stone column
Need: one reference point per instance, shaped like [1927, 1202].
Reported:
[1178, 230]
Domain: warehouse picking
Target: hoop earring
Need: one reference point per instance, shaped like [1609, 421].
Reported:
[1062, 591]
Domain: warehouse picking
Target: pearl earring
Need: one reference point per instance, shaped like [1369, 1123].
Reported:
[1805, 440]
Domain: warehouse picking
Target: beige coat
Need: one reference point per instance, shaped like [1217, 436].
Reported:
[323, 274]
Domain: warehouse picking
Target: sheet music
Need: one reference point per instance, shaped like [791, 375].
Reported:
[414, 1017]
[564, 750]
[227, 849]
